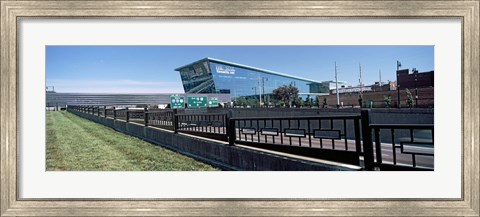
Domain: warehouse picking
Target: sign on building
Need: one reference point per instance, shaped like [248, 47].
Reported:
[213, 102]
[177, 101]
[197, 101]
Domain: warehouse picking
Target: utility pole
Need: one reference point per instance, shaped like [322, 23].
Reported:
[361, 86]
[415, 72]
[380, 77]
[360, 79]
[398, 84]
[336, 86]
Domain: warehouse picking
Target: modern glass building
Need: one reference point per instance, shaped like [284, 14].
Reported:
[210, 75]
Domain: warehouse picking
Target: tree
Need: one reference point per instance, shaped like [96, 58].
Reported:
[298, 102]
[324, 104]
[360, 100]
[252, 102]
[286, 93]
[410, 101]
[387, 100]
[308, 101]
[240, 101]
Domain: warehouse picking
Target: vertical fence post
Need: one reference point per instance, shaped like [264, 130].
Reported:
[127, 115]
[367, 140]
[227, 122]
[114, 113]
[98, 111]
[105, 111]
[175, 121]
[230, 128]
[145, 116]
[358, 143]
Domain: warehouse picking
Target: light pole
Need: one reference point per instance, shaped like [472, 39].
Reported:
[336, 86]
[416, 90]
[398, 84]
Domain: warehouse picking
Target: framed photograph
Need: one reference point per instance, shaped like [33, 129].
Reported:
[43, 41]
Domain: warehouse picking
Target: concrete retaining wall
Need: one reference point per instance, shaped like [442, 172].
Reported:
[216, 153]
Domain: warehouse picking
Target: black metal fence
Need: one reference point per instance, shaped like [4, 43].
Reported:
[411, 146]
[347, 139]
[160, 118]
[214, 125]
[324, 137]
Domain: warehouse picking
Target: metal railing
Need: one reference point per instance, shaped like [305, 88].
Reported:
[160, 118]
[213, 125]
[411, 147]
[121, 114]
[334, 138]
[348, 139]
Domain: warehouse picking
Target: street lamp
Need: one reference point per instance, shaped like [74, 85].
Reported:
[416, 90]
[336, 86]
[398, 84]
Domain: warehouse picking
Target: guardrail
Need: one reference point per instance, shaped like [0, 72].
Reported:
[348, 139]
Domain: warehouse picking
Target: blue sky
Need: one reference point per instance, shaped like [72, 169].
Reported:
[150, 69]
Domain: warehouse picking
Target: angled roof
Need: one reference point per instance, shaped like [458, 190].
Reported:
[247, 67]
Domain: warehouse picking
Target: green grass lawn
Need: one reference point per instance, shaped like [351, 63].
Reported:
[77, 144]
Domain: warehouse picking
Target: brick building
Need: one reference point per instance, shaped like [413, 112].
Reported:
[415, 79]
[425, 98]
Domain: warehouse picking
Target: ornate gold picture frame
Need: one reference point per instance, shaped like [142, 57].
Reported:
[12, 11]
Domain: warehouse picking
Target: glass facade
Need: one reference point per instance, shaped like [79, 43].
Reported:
[215, 76]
